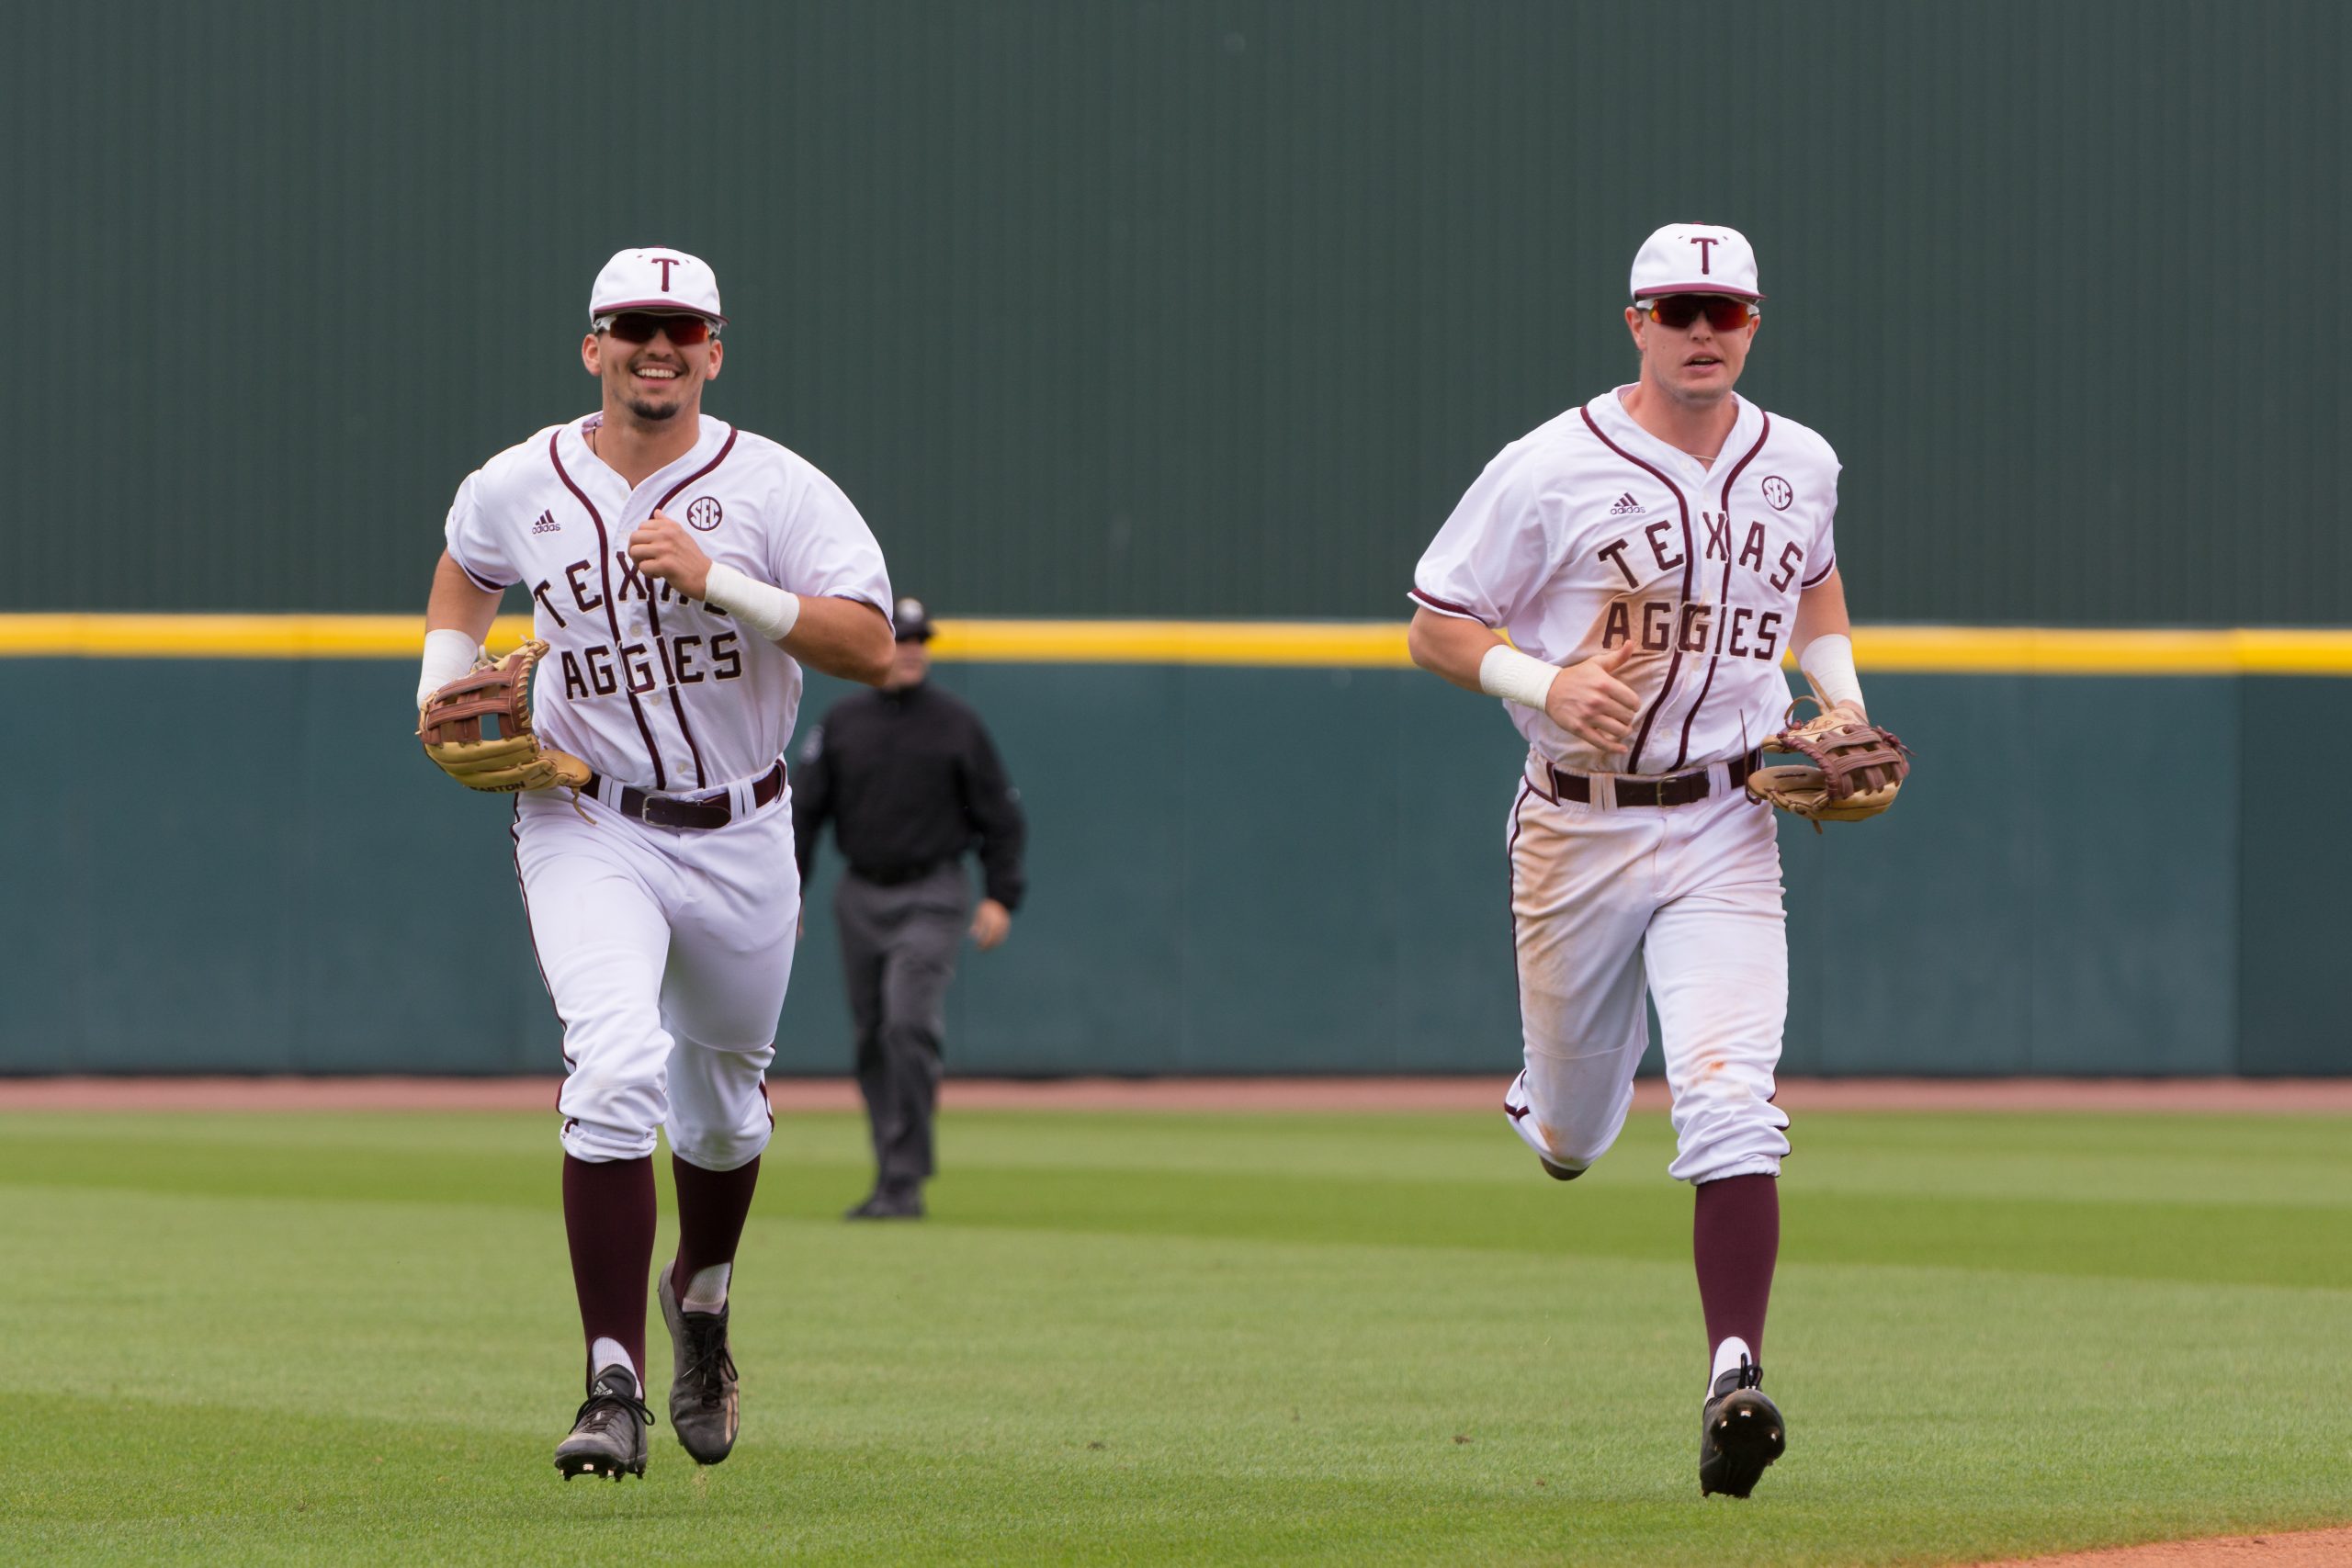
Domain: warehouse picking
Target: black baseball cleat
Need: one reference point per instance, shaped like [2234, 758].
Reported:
[703, 1408]
[889, 1205]
[1740, 1432]
[1560, 1172]
[608, 1435]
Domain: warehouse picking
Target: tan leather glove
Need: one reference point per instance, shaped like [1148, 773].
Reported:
[504, 754]
[1853, 769]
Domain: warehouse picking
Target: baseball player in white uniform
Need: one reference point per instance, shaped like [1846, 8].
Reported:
[1651, 556]
[683, 571]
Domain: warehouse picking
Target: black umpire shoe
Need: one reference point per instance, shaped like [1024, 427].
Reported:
[1740, 1432]
[608, 1435]
[704, 1409]
[889, 1204]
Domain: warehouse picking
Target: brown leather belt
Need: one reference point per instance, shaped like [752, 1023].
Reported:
[683, 811]
[1674, 789]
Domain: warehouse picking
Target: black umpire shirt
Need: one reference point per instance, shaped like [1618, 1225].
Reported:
[911, 781]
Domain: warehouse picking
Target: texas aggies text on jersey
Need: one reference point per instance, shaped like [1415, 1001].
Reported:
[1589, 533]
[629, 654]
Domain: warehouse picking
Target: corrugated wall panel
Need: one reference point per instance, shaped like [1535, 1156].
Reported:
[1200, 307]
[1222, 907]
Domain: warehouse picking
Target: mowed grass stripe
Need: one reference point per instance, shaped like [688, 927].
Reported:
[292, 1379]
[1320, 1181]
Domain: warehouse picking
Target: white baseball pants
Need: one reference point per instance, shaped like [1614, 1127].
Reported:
[666, 952]
[1686, 899]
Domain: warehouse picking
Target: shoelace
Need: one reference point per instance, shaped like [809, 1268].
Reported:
[603, 1404]
[710, 1364]
[1750, 1374]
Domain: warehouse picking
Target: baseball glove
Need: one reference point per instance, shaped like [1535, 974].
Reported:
[1853, 769]
[510, 756]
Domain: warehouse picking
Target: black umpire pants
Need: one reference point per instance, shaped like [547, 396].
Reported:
[899, 947]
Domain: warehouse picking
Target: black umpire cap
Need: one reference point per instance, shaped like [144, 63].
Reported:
[912, 620]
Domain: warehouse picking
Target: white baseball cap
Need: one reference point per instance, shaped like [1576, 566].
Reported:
[656, 278]
[1696, 258]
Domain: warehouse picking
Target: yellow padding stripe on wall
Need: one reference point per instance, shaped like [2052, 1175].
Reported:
[1357, 644]
[1360, 645]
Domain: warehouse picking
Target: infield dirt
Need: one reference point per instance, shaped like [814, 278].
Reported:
[2306, 1548]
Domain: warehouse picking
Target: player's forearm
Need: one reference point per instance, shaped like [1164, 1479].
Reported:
[1449, 647]
[458, 603]
[1821, 612]
[843, 638]
[1824, 645]
[457, 614]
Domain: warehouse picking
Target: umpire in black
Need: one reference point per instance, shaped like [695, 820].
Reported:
[909, 779]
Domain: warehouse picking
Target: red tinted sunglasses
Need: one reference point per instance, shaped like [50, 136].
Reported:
[638, 326]
[1678, 310]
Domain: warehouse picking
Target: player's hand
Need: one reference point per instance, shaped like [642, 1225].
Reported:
[1588, 701]
[661, 548]
[990, 923]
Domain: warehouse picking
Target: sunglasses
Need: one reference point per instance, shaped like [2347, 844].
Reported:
[639, 326]
[1678, 310]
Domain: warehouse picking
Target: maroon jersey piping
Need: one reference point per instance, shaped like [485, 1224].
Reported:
[514, 831]
[1447, 606]
[479, 580]
[654, 615]
[1510, 864]
[1674, 664]
[1723, 599]
[672, 494]
[611, 609]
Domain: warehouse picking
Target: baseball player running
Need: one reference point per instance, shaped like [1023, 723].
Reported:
[1652, 555]
[680, 571]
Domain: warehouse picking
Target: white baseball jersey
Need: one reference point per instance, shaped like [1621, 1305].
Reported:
[649, 687]
[1589, 533]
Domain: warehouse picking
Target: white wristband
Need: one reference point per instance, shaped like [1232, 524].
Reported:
[448, 655]
[767, 610]
[1516, 677]
[1828, 664]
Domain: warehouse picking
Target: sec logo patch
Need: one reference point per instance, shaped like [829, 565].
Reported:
[705, 512]
[1777, 492]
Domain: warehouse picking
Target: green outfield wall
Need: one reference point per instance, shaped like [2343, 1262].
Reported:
[1236, 869]
[1198, 308]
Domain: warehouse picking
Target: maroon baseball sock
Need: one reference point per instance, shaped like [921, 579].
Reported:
[711, 1208]
[608, 1215]
[1735, 1237]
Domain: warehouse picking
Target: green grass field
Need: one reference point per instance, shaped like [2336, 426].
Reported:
[1180, 1338]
